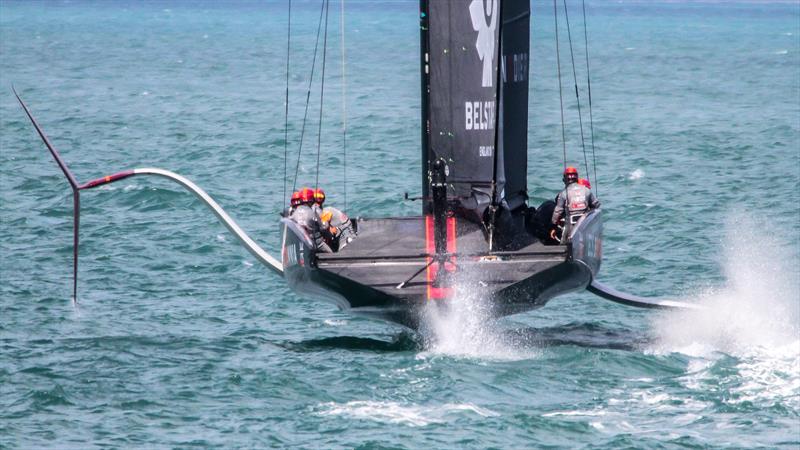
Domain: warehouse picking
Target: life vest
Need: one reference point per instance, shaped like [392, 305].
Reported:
[577, 201]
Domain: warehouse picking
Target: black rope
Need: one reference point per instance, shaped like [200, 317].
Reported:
[577, 96]
[560, 89]
[308, 98]
[286, 111]
[589, 86]
[322, 90]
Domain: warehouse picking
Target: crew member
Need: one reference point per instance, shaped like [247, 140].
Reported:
[305, 214]
[576, 200]
[335, 226]
[293, 203]
[301, 210]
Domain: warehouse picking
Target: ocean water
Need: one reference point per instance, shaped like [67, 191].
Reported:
[181, 339]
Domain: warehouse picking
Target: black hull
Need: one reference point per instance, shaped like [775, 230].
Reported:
[363, 278]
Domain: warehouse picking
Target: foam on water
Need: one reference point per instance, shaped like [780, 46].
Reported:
[335, 322]
[575, 413]
[393, 412]
[636, 174]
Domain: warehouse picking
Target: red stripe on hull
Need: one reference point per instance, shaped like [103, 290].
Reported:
[449, 265]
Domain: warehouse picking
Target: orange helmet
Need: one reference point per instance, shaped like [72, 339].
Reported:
[584, 182]
[295, 199]
[570, 175]
[319, 196]
[306, 195]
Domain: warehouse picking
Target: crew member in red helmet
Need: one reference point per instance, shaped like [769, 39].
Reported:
[294, 202]
[306, 215]
[576, 200]
[301, 207]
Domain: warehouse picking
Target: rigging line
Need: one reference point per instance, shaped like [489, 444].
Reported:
[560, 89]
[322, 91]
[344, 108]
[308, 98]
[575, 80]
[589, 86]
[286, 110]
[565, 233]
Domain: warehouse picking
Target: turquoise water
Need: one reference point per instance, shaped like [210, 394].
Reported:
[180, 338]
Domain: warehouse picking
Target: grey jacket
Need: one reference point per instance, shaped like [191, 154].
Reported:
[338, 223]
[305, 216]
[309, 217]
[581, 201]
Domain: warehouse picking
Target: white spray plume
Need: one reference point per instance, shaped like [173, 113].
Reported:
[465, 327]
[756, 311]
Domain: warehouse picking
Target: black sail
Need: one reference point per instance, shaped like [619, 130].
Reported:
[513, 119]
[461, 69]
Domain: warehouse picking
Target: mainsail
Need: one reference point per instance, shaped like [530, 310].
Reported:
[464, 78]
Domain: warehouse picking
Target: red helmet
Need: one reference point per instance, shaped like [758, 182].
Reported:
[295, 199]
[584, 182]
[319, 196]
[570, 175]
[306, 195]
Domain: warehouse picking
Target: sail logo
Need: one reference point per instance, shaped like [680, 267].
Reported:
[479, 115]
[485, 43]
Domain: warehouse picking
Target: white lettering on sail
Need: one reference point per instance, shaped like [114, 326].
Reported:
[485, 43]
[519, 67]
[485, 150]
[479, 115]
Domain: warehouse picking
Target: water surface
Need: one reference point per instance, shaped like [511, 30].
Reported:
[181, 339]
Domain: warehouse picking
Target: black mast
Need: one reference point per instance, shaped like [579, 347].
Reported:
[497, 137]
[499, 85]
[425, 91]
[434, 174]
[511, 178]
